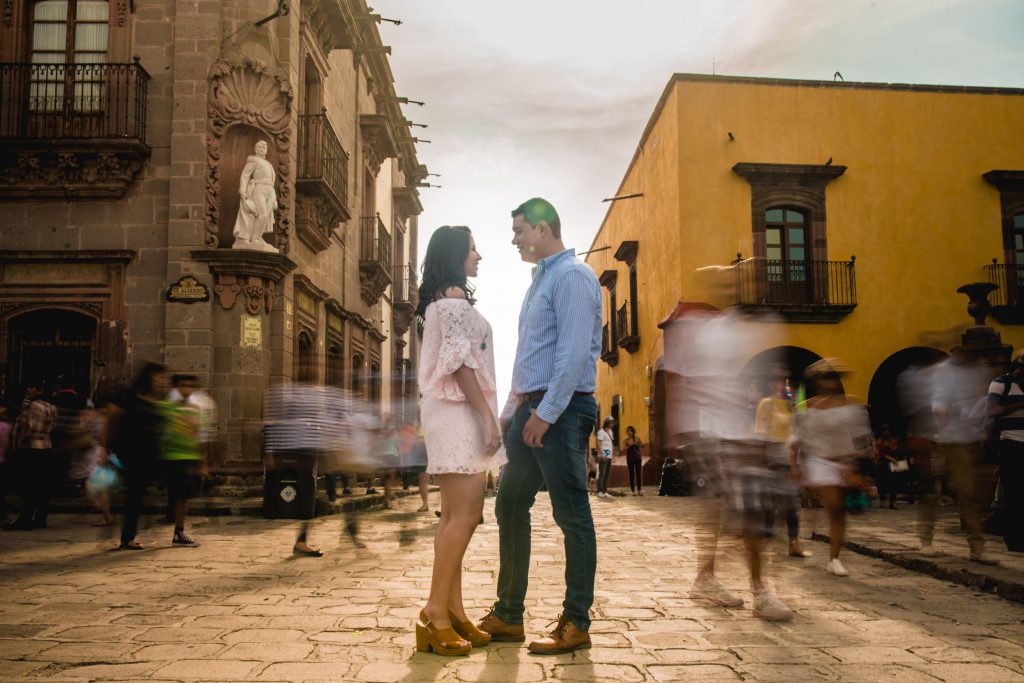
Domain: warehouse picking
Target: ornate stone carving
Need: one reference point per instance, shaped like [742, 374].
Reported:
[401, 319]
[253, 274]
[248, 93]
[316, 219]
[70, 170]
[121, 18]
[378, 140]
[372, 284]
[8, 13]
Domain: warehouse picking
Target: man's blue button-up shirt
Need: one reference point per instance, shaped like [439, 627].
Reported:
[559, 335]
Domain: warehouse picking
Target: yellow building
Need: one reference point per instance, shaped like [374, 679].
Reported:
[853, 210]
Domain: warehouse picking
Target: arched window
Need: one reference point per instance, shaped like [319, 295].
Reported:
[306, 363]
[357, 374]
[335, 367]
[67, 39]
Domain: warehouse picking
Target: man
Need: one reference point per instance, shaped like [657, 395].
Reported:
[32, 443]
[551, 405]
[1006, 407]
[959, 384]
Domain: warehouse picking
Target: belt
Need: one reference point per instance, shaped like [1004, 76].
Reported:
[539, 394]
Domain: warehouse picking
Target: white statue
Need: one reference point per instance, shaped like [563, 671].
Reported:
[257, 202]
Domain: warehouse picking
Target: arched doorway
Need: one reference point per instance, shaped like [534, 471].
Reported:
[794, 358]
[884, 394]
[47, 345]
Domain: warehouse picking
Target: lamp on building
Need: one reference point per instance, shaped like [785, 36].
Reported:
[405, 100]
[417, 125]
[376, 19]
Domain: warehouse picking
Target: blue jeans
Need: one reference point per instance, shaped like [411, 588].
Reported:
[561, 465]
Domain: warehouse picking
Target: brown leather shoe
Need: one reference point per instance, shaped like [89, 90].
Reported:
[565, 638]
[500, 631]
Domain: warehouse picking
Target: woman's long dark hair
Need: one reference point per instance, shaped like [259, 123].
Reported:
[444, 265]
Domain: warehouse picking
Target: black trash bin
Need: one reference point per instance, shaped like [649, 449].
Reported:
[289, 486]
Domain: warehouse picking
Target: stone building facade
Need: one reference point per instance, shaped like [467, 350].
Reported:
[124, 129]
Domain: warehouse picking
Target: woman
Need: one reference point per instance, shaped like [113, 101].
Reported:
[634, 461]
[605, 451]
[460, 427]
[830, 435]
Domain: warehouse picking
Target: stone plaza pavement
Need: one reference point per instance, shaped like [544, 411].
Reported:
[240, 608]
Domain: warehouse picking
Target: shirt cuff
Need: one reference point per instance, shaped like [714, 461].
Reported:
[547, 412]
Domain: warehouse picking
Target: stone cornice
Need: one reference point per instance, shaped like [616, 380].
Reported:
[1006, 181]
[245, 262]
[81, 256]
[789, 174]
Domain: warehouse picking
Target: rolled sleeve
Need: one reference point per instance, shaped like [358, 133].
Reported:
[576, 311]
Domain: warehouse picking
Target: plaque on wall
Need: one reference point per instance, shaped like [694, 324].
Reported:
[252, 332]
[188, 290]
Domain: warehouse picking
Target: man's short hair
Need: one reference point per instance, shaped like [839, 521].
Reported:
[182, 378]
[536, 210]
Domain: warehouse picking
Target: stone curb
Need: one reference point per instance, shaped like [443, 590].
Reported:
[1005, 583]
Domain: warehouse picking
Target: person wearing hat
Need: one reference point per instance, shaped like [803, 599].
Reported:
[831, 431]
[605, 451]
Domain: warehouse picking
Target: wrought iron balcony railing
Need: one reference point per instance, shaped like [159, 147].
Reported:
[322, 159]
[1007, 301]
[627, 333]
[1010, 279]
[374, 259]
[73, 101]
[803, 291]
[404, 288]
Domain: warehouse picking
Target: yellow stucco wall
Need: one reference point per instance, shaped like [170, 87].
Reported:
[912, 206]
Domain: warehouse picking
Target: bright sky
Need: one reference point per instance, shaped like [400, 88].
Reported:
[549, 97]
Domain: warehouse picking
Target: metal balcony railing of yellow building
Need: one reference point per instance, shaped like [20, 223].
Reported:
[627, 333]
[322, 159]
[1007, 301]
[800, 291]
[73, 101]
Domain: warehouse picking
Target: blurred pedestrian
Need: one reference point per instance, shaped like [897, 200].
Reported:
[634, 461]
[181, 458]
[459, 414]
[6, 426]
[134, 434]
[891, 467]
[832, 433]
[605, 454]
[774, 421]
[33, 453]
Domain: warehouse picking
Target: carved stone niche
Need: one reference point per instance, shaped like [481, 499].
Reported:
[245, 102]
[251, 274]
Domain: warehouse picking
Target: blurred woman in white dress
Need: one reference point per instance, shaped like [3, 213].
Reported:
[459, 413]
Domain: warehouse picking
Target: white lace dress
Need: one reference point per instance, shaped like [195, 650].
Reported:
[455, 334]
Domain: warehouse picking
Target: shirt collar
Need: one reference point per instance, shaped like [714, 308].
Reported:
[548, 262]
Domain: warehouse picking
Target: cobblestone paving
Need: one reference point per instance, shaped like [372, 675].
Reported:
[241, 608]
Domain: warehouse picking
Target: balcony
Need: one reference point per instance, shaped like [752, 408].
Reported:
[71, 131]
[625, 325]
[374, 259]
[799, 291]
[404, 298]
[321, 182]
[1007, 301]
[609, 351]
